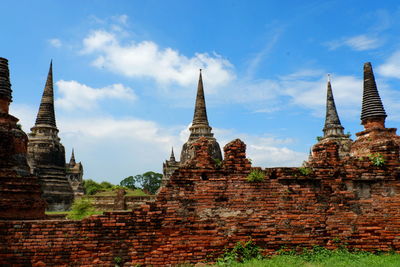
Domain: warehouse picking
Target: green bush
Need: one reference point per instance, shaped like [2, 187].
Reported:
[91, 187]
[242, 252]
[256, 176]
[377, 159]
[305, 171]
[218, 163]
[81, 208]
[106, 185]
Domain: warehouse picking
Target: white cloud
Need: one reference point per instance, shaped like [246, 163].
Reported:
[347, 92]
[76, 95]
[25, 113]
[146, 59]
[121, 19]
[55, 42]
[391, 68]
[360, 42]
[304, 88]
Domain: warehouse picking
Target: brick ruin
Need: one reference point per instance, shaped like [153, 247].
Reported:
[199, 128]
[60, 182]
[341, 197]
[74, 171]
[19, 190]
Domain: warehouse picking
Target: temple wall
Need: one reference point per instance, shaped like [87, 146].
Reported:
[205, 208]
[110, 202]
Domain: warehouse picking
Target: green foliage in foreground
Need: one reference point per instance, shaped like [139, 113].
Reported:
[82, 208]
[317, 257]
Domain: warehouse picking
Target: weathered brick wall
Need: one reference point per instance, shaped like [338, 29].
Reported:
[206, 207]
[114, 203]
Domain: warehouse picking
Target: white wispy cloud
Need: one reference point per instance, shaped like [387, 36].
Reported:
[55, 42]
[360, 42]
[73, 94]
[146, 59]
[391, 68]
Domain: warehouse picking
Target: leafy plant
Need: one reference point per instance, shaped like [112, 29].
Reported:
[256, 176]
[377, 159]
[319, 138]
[241, 252]
[91, 187]
[81, 208]
[117, 260]
[218, 163]
[305, 171]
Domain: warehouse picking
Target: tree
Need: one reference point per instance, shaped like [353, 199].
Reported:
[128, 182]
[91, 187]
[148, 181]
[106, 185]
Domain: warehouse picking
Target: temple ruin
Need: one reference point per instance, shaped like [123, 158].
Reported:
[333, 129]
[46, 154]
[74, 171]
[343, 197]
[20, 193]
[199, 128]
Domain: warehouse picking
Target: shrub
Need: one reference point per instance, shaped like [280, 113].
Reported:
[218, 163]
[91, 187]
[256, 176]
[305, 171]
[106, 185]
[241, 252]
[81, 208]
[377, 159]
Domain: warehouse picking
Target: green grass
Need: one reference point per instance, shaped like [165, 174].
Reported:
[136, 193]
[332, 261]
[129, 192]
[321, 257]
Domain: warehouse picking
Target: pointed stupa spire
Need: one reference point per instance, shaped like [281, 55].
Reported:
[72, 161]
[46, 114]
[372, 107]
[5, 85]
[172, 157]
[200, 126]
[332, 127]
[200, 112]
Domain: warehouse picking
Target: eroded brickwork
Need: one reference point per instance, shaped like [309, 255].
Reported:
[19, 190]
[206, 207]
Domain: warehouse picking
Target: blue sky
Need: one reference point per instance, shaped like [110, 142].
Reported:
[125, 73]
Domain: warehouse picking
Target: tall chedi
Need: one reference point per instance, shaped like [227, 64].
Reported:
[333, 129]
[46, 155]
[200, 127]
[20, 194]
[376, 137]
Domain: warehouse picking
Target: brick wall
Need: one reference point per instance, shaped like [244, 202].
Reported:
[206, 207]
[126, 202]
